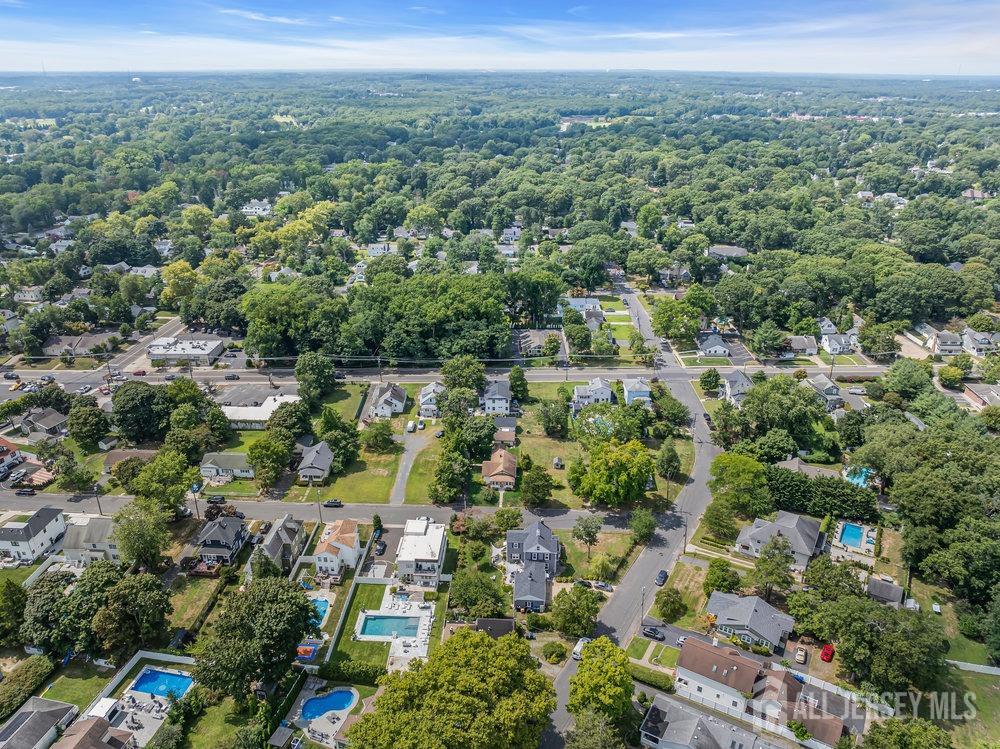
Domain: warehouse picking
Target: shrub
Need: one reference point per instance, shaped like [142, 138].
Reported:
[22, 682]
[760, 650]
[554, 652]
[799, 729]
[431, 595]
[170, 736]
[656, 679]
[355, 672]
[538, 622]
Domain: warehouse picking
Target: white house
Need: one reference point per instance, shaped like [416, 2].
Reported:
[256, 208]
[388, 400]
[202, 351]
[338, 546]
[976, 343]
[89, 539]
[9, 320]
[836, 343]
[144, 271]
[317, 460]
[803, 345]
[945, 343]
[428, 400]
[26, 537]
[581, 303]
[10, 456]
[28, 295]
[420, 554]
[636, 390]
[496, 399]
[598, 390]
[826, 326]
[720, 677]
[255, 417]
[735, 386]
[378, 249]
[712, 345]
[226, 465]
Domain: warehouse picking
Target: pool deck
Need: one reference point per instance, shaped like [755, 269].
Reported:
[402, 649]
[324, 729]
[320, 595]
[865, 553]
[140, 712]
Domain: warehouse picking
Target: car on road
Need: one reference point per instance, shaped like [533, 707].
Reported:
[232, 377]
[216, 499]
[333, 503]
[16, 386]
[25, 493]
[139, 373]
[426, 518]
[578, 648]
[583, 583]
[800, 654]
[661, 578]
[653, 633]
[11, 376]
[339, 376]
[826, 654]
[681, 640]
[83, 389]
[857, 391]
[170, 377]
[240, 515]
[46, 379]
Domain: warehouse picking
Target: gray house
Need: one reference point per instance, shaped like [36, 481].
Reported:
[735, 386]
[536, 543]
[284, 543]
[885, 592]
[751, 619]
[316, 463]
[36, 724]
[531, 589]
[828, 390]
[802, 533]
[221, 540]
[674, 724]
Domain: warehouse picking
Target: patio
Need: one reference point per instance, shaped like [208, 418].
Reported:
[323, 728]
[403, 604]
[853, 542]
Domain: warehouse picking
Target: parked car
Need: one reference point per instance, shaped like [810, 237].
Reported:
[230, 355]
[15, 386]
[216, 499]
[578, 649]
[826, 654]
[11, 376]
[380, 548]
[232, 377]
[83, 389]
[240, 515]
[25, 493]
[411, 426]
[681, 640]
[583, 583]
[421, 424]
[857, 391]
[265, 526]
[653, 633]
[800, 654]
[661, 578]
[439, 433]
[170, 377]
[426, 518]
[333, 503]
[601, 585]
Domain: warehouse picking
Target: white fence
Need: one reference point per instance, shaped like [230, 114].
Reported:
[127, 668]
[847, 694]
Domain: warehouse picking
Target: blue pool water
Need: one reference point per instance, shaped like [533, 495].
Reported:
[859, 477]
[404, 626]
[335, 699]
[162, 683]
[851, 535]
[321, 605]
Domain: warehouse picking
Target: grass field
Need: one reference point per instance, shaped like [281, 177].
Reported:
[422, 473]
[188, 595]
[664, 655]
[345, 400]
[17, 574]
[612, 543]
[241, 441]
[985, 727]
[440, 614]
[368, 479]
[638, 647]
[840, 358]
[216, 726]
[688, 579]
[611, 303]
[706, 361]
[78, 683]
[366, 596]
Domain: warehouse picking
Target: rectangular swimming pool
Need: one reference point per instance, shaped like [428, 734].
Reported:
[851, 535]
[385, 626]
[162, 683]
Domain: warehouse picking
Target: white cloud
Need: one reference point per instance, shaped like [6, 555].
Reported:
[11, 3]
[426, 9]
[251, 15]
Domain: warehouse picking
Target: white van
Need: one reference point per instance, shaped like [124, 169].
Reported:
[411, 426]
[578, 650]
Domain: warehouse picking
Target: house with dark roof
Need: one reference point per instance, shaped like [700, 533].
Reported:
[37, 724]
[496, 398]
[803, 345]
[95, 733]
[221, 540]
[387, 400]
[712, 344]
[670, 723]
[283, 544]
[226, 465]
[802, 533]
[536, 543]
[317, 460]
[46, 420]
[495, 628]
[27, 537]
[751, 619]
[716, 675]
[531, 587]
[827, 389]
[885, 592]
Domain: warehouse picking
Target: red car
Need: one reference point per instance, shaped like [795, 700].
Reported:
[826, 654]
[139, 373]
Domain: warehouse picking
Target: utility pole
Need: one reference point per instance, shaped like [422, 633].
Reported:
[97, 496]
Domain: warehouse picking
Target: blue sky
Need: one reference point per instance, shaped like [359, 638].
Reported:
[872, 36]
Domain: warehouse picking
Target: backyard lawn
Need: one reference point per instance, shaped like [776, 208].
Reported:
[612, 543]
[543, 449]
[422, 473]
[985, 727]
[667, 490]
[240, 441]
[345, 400]
[688, 579]
[368, 479]
[710, 402]
[440, 614]
[188, 596]
[17, 574]
[366, 596]
[216, 726]
[78, 683]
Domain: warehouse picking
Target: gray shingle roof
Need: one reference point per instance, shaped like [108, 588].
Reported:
[28, 726]
[529, 583]
[676, 723]
[318, 457]
[537, 537]
[221, 532]
[750, 612]
[498, 389]
[884, 591]
[802, 532]
[232, 461]
[34, 525]
[94, 531]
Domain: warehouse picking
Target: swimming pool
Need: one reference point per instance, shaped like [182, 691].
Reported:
[851, 534]
[321, 605]
[859, 477]
[382, 626]
[162, 683]
[335, 699]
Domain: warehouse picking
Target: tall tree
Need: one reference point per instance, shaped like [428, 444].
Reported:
[603, 681]
[586, 530]
[141, 533]
[773, 569]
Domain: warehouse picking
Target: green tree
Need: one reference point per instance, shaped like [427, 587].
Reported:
[773, 569]
[587, 530]
[518, 384]
[907, 378]
[255, 637]
[507, 518]
[12, 602]
[262, 566]
[135, 615]
[141, 533]
[879, 341]
[603, 682]
[506, 706]
[951, 377]
[377, 437]
[476, 594]
[536, 486]
[87, 424]
[720, 520]
[315, 375]
[741, 483]
[165, 480]
[767, 340]
[721, 575]
[617, 473]
[293, 417]
[990, 416]
[669, 604]
[464, 371]
[668, 462]
[642, 524]
[140, 411]
[915, 733]
[710, 381]
[593, 730]
[269, 459]
[574, 611]
[342, 438]
[554, 418]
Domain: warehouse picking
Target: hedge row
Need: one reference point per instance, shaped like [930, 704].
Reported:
[23, 682]
[355, 672]
[662, 681]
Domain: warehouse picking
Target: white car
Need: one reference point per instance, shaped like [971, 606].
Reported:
[857, 391]
[578, 649]
[426, 518]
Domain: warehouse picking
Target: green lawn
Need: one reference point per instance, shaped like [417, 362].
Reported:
[345, 400]
[613, 543]
[440, 614]
[840, 358]
[188, 595]
[961, 647]
[216, 726]
[366, 596]
[706, 361]
[638, 647]
[542, 448]
[985, 727]
[236, 488]
[17, 574]
[711, 403]
[688, 579]
[368, 479]
[664, 655]
[241, 441]
[422, 473]
[667, 490]
[611, 303]
[78, 683]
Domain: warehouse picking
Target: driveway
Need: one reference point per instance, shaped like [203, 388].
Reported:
[413, 443]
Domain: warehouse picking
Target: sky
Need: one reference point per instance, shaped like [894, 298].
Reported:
[912, 37]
